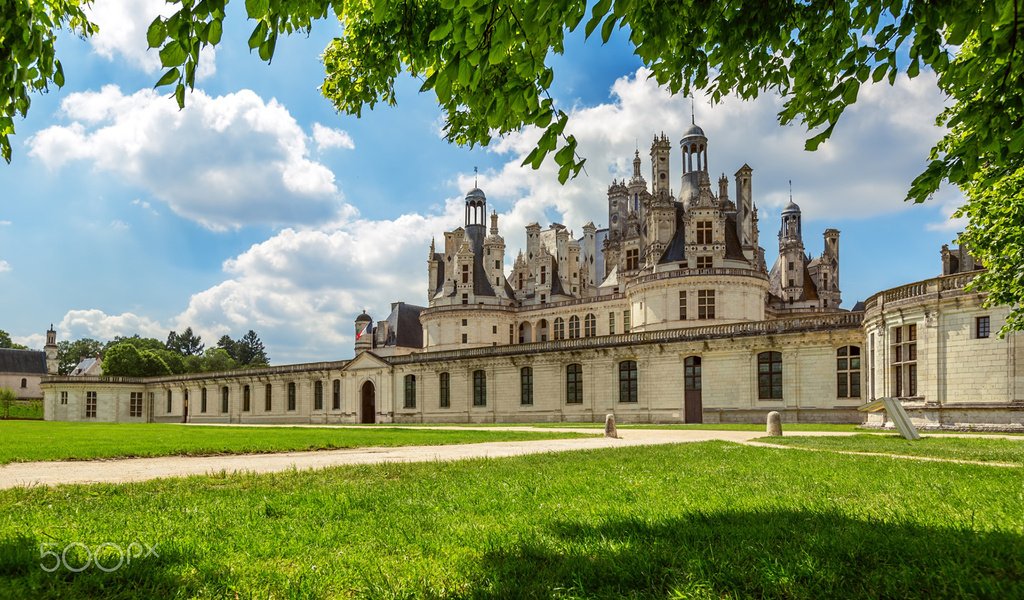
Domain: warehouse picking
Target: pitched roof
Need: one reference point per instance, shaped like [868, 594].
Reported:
[22, 361]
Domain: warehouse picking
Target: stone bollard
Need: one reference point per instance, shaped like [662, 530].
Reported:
[609, 426]
[774, 423]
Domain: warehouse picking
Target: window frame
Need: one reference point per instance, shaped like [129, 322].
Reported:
[444, 383]
[629, 382]
[336, 395]
[526, 386]
[706, 305]
[246, 398]
[590, 325]
[770, 375]
[318, 394]
[479, 388]
[849, 379]
[982, 327]
[574, 383]
[135, 405]
[268, 397]
[409, 398]
[91, 402]
[292, 396]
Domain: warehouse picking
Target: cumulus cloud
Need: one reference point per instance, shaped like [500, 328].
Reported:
[4, 266]
[3, 223]
[224, 161]
[94, 323]
[123, 25]
[328, 137]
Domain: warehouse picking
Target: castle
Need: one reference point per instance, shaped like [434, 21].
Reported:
[670, 314]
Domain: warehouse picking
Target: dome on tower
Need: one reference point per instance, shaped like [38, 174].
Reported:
[363, 318]
[694, 131]
[791, 208]
[476, 193]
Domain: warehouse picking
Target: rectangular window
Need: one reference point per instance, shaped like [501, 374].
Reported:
[611, 323]
[410, 391]
[543, 275]
[625, 321]
[848, 372]
[526, 386]
[291, 395]
[169, 401]
[627, 381]
[494, 329]
[497, 264]
[202, 401]
[982, 327]
[479, 388]
[465, 338]
[444, 383]
[268, 398]
[465, 273]
[465, 322]
[903, 361]
[135, 404]
[318, 395]
[769, 376]
[705, 304]
[705, 262]
[336, 395]
[63, 397]
[511, 334]
[682, 306]
[703, 232]
[224, 399]
[246, 399]
[632, 259]
[90, 405]
[574, 384]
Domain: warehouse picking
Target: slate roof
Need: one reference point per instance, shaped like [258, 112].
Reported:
[22, 361]
[404, 328]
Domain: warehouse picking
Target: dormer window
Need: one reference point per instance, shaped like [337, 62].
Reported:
[704, 232]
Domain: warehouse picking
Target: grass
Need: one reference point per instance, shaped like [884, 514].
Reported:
[704, 426]
[31, 441]
[707, 520]
[958, 448]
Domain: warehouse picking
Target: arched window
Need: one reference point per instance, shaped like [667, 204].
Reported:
[246, 399]
[318, 395]
[224, 399]
[336, 396]
[559, 329]
[202, 401]
[574, 327]
[444, 392]
[479, 388]
[526, 386]
[769, 376]
[268, 396]
[848, 372]
[627, 381]
[574, 384]
[410, 391]
[590, 325]
[291, 395]
[24, 382]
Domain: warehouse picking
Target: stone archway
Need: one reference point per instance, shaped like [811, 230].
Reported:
[368, 403]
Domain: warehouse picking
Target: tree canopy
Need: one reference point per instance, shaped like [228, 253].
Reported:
[488, 64]
[6, 342]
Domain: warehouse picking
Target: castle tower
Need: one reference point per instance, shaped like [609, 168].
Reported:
[745, 229]
[637, 187]
[791, 253]
[829, 270]
[618, 209]
[494, 258]
[694, 145]
[588, 256]
[364, 333]
[660, 149]
[51, 351]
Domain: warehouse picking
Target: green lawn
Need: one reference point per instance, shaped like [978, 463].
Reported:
[48, 440]
[709, 520]
[973, 448]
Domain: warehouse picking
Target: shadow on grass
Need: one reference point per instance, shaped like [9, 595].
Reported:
[774, 554]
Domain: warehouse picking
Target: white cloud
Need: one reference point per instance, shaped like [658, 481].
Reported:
[327, 137]
[3, 223]
[949, 201]
[97, 324]
[145, 206]
[224, 162]
[35, 341]
[119, 225]
[123, 25]
[5, 266]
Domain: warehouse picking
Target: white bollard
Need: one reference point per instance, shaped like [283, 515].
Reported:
[609, 426]
[774, 423]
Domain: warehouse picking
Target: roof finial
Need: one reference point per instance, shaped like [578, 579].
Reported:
[790, 190]
[693, 120]
[475, 175]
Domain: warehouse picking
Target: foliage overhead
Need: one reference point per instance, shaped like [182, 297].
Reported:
[487, 63]
[6, 342]
[126, 360]
[71, 353]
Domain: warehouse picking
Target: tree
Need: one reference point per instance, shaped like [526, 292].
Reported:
[126, 360]
[70, 353]
[140, 343]
[217, 359]
[250, 351]
[487, 63]
[6, 342]
[228, 345]
[186, 344]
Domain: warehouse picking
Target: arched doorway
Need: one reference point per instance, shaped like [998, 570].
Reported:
[525, 332]
[693, 410]
[369, 404]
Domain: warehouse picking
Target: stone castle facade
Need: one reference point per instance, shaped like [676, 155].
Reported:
[669, 314]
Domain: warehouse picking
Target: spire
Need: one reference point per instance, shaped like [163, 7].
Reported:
[475, 177]
[636, 165]
[494, 222]
[693, 120]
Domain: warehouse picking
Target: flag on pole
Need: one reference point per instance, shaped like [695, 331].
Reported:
[365, 330]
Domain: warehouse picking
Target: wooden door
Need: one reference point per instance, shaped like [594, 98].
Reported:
[369, 404]
[693, 411]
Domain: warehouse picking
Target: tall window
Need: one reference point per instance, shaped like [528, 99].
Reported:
[682, 306]
[465, 273]
[705, 304]
[627, 381]
[904, 361]
[24, 382]
[589, 325]
[444, 383]
[848, 372]
[169, 401]
[982, 327]
[526, 386]
[135, 404]
[336, 395]
[705, 262]
[63, 397]
[268, 397]
[479, 388]
[90, 405]
[410, 391]
[611, 323]
[632, 259]
[202, 401]
[224, 399]
[625, 320]
[559, 328]
[703, 232]
[574, 327]
[291, 395]
[769, 376]
[574, 384]
[246, 399]
[318, 395]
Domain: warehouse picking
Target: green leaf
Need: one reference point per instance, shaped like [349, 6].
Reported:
[879, 73]
[172, 55]
[258, 35]
[179, 95]
[257, 8]
[58, 74]
[169, 77]
[156, 33]
[215, 32]
[441, 31]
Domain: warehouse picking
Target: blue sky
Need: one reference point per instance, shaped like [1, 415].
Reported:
[260, 207]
